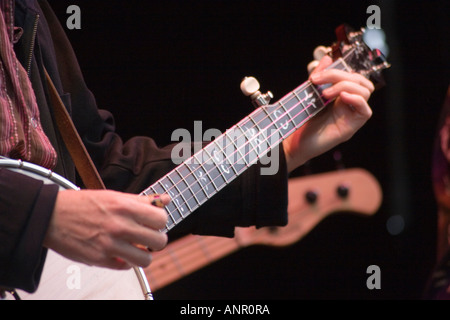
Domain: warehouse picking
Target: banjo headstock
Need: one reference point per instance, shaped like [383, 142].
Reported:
[351, 47]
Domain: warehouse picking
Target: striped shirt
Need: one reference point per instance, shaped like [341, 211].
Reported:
[21, 134]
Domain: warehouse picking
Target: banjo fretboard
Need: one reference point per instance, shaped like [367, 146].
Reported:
[209, 170]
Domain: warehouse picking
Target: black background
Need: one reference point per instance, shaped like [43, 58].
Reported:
[161, 65]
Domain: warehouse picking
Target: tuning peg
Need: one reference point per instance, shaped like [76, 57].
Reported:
[250, 88]
[320, 52]
[379, 63]
[379, 59]
[312, 65]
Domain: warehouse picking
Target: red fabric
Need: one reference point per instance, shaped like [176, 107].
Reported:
[21, 134]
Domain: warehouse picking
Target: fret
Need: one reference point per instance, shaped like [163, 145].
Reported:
[318, 95]
[249, 119]
[214, 157]
[250, 154]
[165, 185]
[176, 207]
[340, 64]
[205, 178]
[172, 211]
[283, 122]
[257, 140]
[252, 132]
[296, 95]
[170, 208]
[227, 151]
[286, 111]
[263, 120]
[236, 143]
[194, 184]
[214, 173]
[191, 190]
[307, 101]
[292, 104]
[217, 157]
[149, 191]
[320, 89]
[280, 125]
[179, 170]
[180, 192]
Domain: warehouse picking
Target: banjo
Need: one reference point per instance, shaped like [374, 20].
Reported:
[204, 174]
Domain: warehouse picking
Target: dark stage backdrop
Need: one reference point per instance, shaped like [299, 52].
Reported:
[161, 65]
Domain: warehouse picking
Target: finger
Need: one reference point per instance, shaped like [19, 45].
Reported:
[115, 263]
[122, 259]
[346, 86]
[143, 230]
[146, 238]
[334, 76]
[323, 64]
[148, 211]
[357, 103]
[157, 241]
[126, 254]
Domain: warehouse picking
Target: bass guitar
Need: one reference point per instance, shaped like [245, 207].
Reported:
[311, 199]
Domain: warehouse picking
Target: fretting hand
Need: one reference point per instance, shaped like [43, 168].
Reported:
[337, 122]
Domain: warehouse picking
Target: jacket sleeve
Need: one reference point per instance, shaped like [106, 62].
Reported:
[26, 205]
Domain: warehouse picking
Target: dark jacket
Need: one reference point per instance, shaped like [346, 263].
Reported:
[131, 166]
